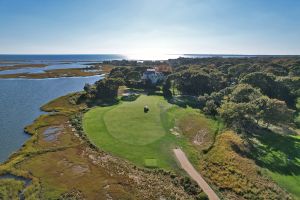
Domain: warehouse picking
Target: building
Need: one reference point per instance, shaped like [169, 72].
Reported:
[163, 68]
[152, 75]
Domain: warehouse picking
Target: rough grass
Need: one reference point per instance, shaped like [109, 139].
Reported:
[236, 176]
[126, 131]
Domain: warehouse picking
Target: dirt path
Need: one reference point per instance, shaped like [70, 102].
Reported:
[188, 167]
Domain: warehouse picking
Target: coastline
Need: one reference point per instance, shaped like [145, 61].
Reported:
[95, 69]
[68, 156]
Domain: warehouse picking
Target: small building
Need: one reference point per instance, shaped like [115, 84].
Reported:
[153, 75]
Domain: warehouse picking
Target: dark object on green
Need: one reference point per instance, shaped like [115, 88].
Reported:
[146, 109]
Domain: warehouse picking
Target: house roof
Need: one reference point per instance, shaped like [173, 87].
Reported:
[151, 70]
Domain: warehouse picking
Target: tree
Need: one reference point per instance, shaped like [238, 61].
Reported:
[133, 76]
[244, 93]
[119, 72]
[237, 115]
[210, 108]
[273, 111]
[276, 69]
[268, 85]
[108, 88]
[202, 100]
[261, 80]
[295, 69]
[89, 90]
[237, 70]
[240, 114]
[191, 82]
[166, 88]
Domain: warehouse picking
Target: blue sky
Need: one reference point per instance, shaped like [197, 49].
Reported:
[150, 26]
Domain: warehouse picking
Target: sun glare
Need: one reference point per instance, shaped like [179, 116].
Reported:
[151, 56]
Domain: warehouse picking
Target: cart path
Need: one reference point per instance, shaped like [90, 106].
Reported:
[188, 167]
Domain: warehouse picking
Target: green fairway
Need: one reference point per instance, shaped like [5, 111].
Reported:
[143, 138]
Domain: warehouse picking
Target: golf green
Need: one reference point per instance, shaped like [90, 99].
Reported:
[129, 124]
[125, 130]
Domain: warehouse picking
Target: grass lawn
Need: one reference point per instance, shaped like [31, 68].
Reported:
[143, 138]
[290, 159]
[280, 156]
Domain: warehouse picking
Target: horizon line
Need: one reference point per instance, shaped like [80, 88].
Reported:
[124, 54]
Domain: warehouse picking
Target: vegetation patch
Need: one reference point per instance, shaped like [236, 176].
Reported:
[130, 97]
[297, 115]
[10, 188]
[56, 73]
[20, 66]
[235, 175]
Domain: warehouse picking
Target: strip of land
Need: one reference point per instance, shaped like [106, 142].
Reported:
[20, 66]
[58, 73]
[188, 167]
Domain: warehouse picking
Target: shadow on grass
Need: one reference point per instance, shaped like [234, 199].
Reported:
[102, 102]
[184, 101]
[278, 153]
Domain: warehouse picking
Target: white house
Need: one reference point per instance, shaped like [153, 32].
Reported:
[153, 75]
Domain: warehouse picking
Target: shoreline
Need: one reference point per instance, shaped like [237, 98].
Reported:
[69, 155]
[95, 69]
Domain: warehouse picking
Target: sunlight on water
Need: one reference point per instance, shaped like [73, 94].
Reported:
[152, 56]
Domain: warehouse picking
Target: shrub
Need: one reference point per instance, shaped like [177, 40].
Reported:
[131, 97]
[190, 186]
[202, 196]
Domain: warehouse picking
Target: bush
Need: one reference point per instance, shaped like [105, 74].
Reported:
[167, 94]
[76, 121]
[131, 97]
[202, 196]
[190, 186]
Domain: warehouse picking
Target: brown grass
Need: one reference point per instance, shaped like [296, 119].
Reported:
[198, 130]
[20, 66]
[236, 176]
[55, 73]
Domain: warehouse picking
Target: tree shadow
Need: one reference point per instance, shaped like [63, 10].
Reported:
[278, 153]
[102, 102]
[184, 101]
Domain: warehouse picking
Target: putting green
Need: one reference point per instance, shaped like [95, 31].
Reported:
[143, 138]
[129, 124]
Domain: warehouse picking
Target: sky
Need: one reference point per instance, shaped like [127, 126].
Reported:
[150, 26]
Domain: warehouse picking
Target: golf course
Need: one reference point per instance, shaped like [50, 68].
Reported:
[147, 138]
